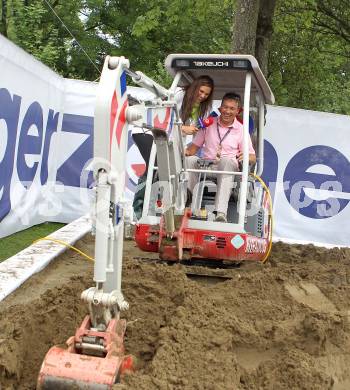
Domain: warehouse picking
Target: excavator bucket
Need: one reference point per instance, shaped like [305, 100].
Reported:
[77, 368]
[65, 370]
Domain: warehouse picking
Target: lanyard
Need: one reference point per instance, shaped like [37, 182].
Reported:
[225, 135]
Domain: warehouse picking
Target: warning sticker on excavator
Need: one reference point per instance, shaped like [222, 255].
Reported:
[237, 241]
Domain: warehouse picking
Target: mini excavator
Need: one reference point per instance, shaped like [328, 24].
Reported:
[95, 357]
[191, 234]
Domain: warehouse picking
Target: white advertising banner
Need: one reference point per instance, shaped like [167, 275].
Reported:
[31, 98]
[46, 142]
[307, 167]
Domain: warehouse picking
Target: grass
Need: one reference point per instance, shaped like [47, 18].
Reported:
[16, 242]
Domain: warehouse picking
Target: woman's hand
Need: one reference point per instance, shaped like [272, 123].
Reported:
[189, 129]
[252, 158]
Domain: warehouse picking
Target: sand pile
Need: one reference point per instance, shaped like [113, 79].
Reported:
[283, 325]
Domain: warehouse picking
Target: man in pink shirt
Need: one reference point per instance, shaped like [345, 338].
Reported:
[221, 142]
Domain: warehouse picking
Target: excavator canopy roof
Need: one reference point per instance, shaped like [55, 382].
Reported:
[227, 70]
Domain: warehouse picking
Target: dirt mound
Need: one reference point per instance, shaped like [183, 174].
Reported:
[283, 325]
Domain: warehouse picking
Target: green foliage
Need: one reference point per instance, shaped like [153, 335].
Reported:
[309, 61]
[34, 27]
[147, 31]
[37, 38]
[309, 67]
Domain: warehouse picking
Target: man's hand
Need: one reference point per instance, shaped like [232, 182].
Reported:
[189, 130]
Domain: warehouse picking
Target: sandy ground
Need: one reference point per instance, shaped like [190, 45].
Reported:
[283, 325]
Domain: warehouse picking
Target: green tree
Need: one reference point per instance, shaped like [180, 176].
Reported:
[147, 31]
[309, 66]
[253, 29]
[29, 30]
[41, 28]
[308, 57]
[3, 19]
[144, 31]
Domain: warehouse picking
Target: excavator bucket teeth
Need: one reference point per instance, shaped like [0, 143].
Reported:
[62, 369]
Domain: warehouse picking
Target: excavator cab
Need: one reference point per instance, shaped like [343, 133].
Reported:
[181, 233]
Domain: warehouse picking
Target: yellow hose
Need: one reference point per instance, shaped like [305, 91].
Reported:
[66, 244]
[270, 213]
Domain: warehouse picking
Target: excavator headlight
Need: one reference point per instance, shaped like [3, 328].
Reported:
[182, 63]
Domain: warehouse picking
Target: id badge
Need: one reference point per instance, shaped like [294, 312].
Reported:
[218, 153]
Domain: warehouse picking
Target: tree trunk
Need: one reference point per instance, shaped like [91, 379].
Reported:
[3, 24]
[264, 32]
[253, 29]
[245, 23]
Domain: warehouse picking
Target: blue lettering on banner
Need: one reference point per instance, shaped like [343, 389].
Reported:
[269, 174]
[29, 144]
[336, 186]
[51, 127]
[70, 171]
[33, 146]
[9, 113]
